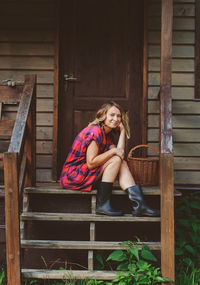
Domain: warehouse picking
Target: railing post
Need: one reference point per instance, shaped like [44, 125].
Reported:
[12, 218]
[166, 144]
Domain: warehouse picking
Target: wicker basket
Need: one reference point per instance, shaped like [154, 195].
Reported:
[145, 170]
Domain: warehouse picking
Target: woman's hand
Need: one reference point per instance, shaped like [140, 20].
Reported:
[121, 127]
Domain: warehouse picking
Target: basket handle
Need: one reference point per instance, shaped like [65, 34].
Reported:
[142, 145]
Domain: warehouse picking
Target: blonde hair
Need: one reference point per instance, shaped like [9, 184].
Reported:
[102, 112]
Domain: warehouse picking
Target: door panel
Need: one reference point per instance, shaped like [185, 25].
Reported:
[102, 48]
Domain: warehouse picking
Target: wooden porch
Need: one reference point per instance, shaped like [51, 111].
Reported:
[14, 181]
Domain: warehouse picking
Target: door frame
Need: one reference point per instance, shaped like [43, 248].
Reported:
[58, 81]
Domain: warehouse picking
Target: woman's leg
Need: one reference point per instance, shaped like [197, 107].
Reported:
[126, 179]
[110, 169]
[109, 173]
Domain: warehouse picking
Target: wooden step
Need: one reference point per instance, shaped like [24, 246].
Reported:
[68, 274]
[40, 216]
[90, 245]
[56, 189]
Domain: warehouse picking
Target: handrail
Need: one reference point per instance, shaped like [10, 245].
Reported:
[19, 169]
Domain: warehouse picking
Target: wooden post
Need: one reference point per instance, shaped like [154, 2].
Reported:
[56, 95]
[12, 219]
[166, 144]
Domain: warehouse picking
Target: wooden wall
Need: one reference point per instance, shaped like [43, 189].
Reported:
[186, 111]
[27, 37]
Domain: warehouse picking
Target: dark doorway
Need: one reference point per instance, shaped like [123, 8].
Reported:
[101, 59]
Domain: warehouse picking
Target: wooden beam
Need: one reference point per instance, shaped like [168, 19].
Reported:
[145, 77]
[10, 94]
[166, 144]
[56, 94]
[12, 219]
[197, 50]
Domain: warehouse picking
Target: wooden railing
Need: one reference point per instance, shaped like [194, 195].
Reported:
[166, 143]
[19, 170]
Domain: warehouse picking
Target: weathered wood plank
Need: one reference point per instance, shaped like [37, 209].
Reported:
[22, 116]
[180, 51]
[56, 189]
[44, 161]
[167, 216]
[44, 105]
[43, 175]
[178, 79]
[166, 144]
[27, 62]
[45, 90]
[91, 245]
[179, 135]
[187, 163]
[44, 119]
[179, 121]
[19, 35]
[27, 49]
[180, 9]
[186, 177]
[179, 107]
[186, 24]
[178, 93]
[45, 22]
[12, 219]
[68, 274]
[44, 133]
[178, 65]
[43, 77]
[55, 173]
[6, 127]
[179, 37]
[10, 94]
[39, 216]
[197, 51]
[44, 147]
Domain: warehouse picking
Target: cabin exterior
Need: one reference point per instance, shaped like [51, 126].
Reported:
[160, 61]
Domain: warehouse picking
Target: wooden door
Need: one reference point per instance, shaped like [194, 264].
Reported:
[101, 56]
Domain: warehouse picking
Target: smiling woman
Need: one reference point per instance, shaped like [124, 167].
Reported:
[97, 155]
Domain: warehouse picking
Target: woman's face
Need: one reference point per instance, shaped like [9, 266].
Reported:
[113, 118]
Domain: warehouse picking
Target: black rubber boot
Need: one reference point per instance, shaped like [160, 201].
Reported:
[103, 200]
[138, 204]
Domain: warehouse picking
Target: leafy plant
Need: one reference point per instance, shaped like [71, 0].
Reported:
[3, 280]
[135, 266]
[188, 231]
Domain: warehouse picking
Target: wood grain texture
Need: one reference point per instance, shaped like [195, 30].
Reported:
[197, 51]
[12, 219]
[166, 144]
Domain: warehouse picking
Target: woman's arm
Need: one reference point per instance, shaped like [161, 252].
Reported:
[122, 137]
[94, 160]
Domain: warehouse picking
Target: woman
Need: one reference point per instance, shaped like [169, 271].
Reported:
[95, 156]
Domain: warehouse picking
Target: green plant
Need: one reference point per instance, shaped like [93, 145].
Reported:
[187, 232]
[188, 276]
[3, 280]
[135, 266]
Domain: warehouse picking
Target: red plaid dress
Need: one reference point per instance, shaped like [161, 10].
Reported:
[75, 173]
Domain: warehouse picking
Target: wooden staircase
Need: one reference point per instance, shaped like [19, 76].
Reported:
[91, 245]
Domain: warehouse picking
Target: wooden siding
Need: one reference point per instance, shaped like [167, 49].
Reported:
[186, 111]
[27, 38]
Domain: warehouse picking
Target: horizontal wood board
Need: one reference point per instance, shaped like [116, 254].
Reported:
[186, 111]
